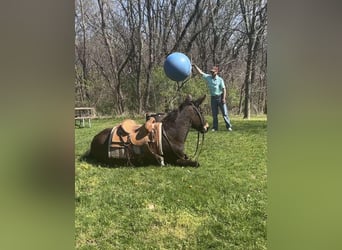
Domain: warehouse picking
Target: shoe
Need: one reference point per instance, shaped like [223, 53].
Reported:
[230, 129]
[214, 130]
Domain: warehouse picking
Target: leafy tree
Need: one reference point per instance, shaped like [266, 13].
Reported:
[121, 45]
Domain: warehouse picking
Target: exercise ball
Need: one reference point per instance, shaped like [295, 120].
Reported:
[177, 66]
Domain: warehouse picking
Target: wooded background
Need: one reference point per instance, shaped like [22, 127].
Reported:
[121, 45]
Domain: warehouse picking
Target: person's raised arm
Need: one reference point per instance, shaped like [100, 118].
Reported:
[198, 69]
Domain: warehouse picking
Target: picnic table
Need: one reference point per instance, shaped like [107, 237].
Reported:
[83, 114]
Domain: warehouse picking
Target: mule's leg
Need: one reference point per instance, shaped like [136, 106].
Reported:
[161, 161]
[186, 162]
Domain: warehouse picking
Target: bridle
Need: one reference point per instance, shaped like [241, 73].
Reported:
[197, 152]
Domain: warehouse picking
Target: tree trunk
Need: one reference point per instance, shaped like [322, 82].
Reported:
[241, 99]
[83, 59]
[150, 26]
[120, 101]
[247, 82]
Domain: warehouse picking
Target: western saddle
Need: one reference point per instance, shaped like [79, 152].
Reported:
[130, 139]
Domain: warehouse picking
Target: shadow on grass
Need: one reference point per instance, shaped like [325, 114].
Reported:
[109, 164]
[123, 163]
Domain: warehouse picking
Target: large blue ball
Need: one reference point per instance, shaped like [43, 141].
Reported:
[177, 66]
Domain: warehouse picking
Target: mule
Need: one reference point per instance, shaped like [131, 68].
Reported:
[134, 144]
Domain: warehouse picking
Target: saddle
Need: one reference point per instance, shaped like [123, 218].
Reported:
[130, 138]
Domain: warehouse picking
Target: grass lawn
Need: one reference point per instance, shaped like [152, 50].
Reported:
[220, 205]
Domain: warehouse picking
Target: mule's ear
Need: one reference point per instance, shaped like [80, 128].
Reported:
[186, 102]
[188, 98]
[200, 100]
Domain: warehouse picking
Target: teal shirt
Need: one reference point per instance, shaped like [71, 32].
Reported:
[215, 85]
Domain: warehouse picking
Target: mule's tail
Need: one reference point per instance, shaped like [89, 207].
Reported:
[85, 156]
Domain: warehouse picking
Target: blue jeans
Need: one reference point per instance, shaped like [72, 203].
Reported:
[216, 103]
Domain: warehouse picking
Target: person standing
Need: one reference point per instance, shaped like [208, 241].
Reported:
[218, 96]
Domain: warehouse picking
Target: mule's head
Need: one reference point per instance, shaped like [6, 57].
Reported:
[193, 111]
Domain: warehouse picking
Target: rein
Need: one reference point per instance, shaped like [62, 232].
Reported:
[197, 153]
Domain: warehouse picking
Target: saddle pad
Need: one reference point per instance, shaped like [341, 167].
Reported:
[117, 153]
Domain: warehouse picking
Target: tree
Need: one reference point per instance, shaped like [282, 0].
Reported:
[121, 45]
[254, 17]
[82, 76]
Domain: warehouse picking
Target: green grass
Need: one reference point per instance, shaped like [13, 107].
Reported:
[220, 205]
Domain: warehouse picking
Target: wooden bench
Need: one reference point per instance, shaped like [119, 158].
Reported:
[84, 113]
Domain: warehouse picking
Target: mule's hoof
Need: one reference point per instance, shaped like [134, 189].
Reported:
[196, 165]
[187, 163]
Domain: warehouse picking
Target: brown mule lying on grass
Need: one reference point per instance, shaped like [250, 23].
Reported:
[159, 141]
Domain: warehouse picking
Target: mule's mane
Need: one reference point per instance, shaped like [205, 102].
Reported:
[171, 116]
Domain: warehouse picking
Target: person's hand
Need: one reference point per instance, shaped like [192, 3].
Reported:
[194, 66]
[223, 100]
